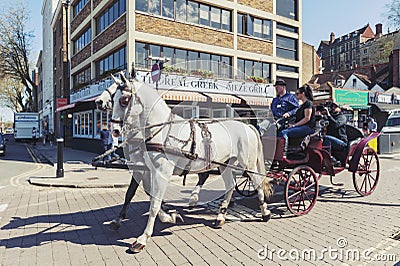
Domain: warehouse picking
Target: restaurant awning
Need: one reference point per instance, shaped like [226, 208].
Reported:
[254, 100]
[182, 96]
[223, 98]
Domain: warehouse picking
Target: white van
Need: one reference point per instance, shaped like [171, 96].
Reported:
[393, 123]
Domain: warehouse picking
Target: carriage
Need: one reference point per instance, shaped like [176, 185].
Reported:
[307, 161]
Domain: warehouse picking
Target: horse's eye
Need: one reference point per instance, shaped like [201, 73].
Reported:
[124, 101]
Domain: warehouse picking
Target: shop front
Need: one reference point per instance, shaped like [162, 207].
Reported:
[187, 96]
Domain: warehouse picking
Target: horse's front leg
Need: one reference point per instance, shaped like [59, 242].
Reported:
[227, 176]
[116, 223]
[161, 173]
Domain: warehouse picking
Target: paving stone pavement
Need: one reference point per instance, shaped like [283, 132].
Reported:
[69, 226]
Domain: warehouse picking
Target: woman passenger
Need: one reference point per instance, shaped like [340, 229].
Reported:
[305, 117]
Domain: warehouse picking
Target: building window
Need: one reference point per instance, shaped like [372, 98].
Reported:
[286, 47]
[286, 28]
[110, 15]
[83, 124]
[167, 9]
[249, 68]
[188, 11]
[260, 28]
[183, 61]
[101, 119]
[287, 68]
[81, 78]
[287, 8]
[83, 40]
[78, 7]
[111, 63]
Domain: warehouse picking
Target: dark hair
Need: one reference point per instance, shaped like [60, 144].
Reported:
[307, 92]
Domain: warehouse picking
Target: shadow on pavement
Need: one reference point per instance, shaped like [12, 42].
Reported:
[90, 227]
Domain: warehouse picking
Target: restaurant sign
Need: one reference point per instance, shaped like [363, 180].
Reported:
[198, 84]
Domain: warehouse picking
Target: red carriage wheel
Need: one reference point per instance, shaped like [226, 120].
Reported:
[365, 179]
[301, 190]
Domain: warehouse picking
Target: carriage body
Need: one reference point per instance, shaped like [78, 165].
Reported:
[300, 170]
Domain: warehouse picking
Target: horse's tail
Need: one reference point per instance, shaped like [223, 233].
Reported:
[266, 184]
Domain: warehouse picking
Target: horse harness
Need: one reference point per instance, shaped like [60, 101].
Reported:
[169, 149]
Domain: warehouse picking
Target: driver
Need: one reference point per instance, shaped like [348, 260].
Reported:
[285, 104]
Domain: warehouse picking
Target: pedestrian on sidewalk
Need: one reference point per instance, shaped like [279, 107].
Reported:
[44, 133]
[105, 136]
[34, 136]
[51, 137]
[115, 135]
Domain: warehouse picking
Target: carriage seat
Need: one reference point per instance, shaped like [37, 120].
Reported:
[354, 135]
[301, 144]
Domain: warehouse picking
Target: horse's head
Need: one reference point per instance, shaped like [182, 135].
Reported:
[104, 100]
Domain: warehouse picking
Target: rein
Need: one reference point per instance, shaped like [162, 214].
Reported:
[196, 120]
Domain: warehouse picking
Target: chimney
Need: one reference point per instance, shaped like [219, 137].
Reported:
[332, 38]
[378, 30]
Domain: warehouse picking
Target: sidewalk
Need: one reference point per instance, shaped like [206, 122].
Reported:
[78, 171]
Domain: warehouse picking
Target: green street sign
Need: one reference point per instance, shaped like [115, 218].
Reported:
[351, 97]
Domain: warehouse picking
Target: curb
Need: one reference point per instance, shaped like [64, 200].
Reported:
[39, 155]
[69, 185]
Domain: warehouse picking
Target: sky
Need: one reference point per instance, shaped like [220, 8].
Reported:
[320, 18]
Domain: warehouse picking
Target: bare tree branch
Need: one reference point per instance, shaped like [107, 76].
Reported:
[392, 13]
[15, 46]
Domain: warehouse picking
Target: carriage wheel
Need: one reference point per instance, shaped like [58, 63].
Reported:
[365, 179]
[244, 186]
[301, 190]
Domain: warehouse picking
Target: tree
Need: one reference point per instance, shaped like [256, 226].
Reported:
[15, 47]
[392, 13]
[12, 94]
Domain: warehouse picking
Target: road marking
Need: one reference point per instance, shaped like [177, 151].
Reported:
[14, 180]
[31, 153]
[2, 187]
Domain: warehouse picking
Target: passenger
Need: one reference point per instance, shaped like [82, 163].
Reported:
[305, 117]
[285, 104]
[336, 137]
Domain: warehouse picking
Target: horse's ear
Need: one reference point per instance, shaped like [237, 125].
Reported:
[116, 80]
[122, 75]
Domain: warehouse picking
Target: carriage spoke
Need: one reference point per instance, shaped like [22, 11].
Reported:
[240, 184]
[310, 200]
[295, 194]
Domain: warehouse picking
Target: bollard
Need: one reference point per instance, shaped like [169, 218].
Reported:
[60, 159]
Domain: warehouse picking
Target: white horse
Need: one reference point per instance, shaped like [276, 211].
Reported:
[150, 120]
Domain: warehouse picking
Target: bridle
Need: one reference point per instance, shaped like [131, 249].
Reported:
[123, 101]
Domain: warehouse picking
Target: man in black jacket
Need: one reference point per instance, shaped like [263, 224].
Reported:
[336, 137]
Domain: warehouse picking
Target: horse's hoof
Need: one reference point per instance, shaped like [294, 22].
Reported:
[218, 224]
[115, 225]
[266, 218]
[177, 218]
[136, 247]
[192, 203]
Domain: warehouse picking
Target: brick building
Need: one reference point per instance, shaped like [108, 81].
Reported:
[343, 53]
[225, 41]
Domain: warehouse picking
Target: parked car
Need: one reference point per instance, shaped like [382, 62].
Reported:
[3, 142]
